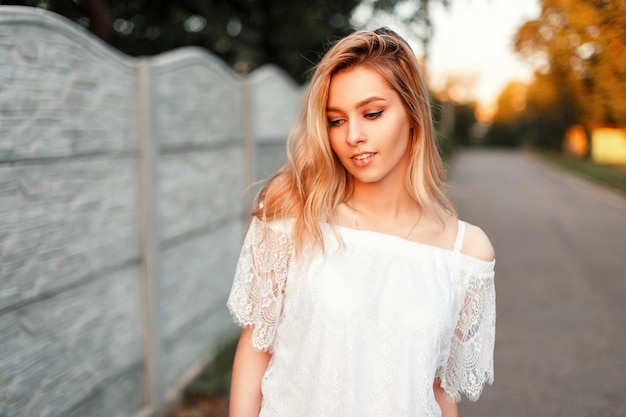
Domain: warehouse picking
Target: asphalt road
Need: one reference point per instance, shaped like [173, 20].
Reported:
[560, 246]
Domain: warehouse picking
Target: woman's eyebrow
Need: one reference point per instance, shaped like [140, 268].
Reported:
[360, 103]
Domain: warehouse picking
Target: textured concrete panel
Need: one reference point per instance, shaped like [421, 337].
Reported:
[269, 157]
[62, 92]
[56, 351]
[197, 280]
[197, 344]
[198, 275]
[198, 97]
[62, 221]
[198, 188]
[276, 102]
[70, 244]
[114, 397]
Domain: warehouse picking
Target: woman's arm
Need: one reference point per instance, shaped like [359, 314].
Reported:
[448, 408]
[248, 369]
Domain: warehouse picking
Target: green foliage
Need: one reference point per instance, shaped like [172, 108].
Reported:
[447, 147]
[464, 122]
[537, 115]
[503, 135]
[579, 50]
[551, 108]
[446, 143]
[583, 45]
[215, 377]
[244, 33]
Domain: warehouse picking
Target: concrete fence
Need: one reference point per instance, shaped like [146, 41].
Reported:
[122, 208]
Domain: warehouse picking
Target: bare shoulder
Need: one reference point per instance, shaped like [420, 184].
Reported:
[477, 244]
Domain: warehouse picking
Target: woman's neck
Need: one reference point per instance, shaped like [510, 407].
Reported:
[378, 200]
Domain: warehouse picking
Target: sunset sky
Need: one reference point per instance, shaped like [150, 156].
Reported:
[474, 39]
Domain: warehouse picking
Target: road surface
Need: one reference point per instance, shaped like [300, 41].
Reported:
[560, 246]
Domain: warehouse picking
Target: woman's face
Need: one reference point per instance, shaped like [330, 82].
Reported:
[368, 127]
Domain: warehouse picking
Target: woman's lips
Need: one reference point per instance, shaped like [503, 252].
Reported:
[363, 159]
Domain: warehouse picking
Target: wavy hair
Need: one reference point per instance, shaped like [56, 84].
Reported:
[313, 182]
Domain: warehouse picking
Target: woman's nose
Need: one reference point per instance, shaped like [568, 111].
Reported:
[356, 135]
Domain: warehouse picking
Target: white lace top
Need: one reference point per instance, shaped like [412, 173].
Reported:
[364, 330]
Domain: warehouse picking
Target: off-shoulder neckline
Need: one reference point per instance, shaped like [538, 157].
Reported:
[411, 243]
[286, 224]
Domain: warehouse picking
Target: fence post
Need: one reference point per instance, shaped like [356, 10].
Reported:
[151, 383]
[248, 145]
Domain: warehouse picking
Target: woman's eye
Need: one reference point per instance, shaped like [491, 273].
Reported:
[335, 123]
[372, 116]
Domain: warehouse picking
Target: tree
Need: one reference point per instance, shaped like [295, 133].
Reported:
[551, 108]
[582, 43]
[506, 127]
[245, 33]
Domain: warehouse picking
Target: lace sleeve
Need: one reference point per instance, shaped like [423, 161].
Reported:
[256, 297]
[469, 364]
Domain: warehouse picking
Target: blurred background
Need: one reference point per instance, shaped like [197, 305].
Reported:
[529, 69]
[131, 130]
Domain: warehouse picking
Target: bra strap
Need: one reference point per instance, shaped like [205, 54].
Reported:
[460, 234]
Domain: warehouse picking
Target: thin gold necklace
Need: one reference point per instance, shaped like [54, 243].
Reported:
[356, 222]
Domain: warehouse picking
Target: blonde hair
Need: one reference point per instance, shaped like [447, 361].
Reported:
[312, 183]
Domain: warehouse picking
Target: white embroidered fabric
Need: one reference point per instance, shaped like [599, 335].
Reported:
[364, 330]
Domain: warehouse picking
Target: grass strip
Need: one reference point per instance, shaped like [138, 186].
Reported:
[613, 176]
[214, 380]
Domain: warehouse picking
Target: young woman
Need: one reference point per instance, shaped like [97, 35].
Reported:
[359, 291]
